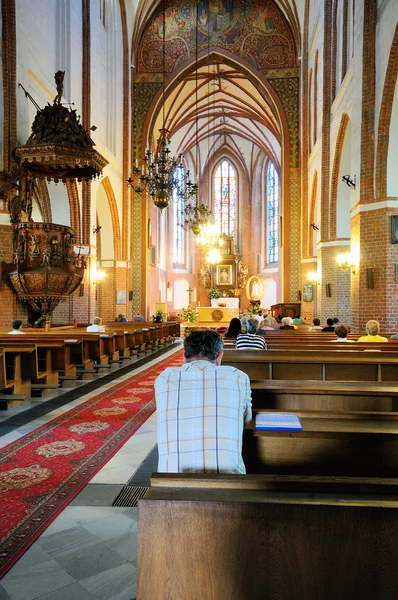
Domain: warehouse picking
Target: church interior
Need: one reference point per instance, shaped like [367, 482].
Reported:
[191, 161]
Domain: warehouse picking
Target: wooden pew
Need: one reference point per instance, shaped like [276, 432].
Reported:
[250, 537]
[350, 443]
[15, 371]
[315, 365]
[329, 395]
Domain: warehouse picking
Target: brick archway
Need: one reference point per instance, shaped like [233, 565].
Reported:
[74, 206]
[311, 232]
[115, 216]
[335, 173]
[383, 137]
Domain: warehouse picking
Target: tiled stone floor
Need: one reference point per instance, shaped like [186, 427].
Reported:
[89, 551]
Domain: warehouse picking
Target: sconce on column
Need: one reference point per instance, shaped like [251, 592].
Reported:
[314, 278]
[346, 261]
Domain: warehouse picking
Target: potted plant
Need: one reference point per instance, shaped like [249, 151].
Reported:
[188, 313]
[159, 316]
[214, 293]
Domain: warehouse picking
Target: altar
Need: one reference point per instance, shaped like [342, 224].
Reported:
[225, 302]
[217, 315]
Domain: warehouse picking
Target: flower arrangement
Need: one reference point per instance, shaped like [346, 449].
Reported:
[188, 313]
[214, 293]
[159, 316]
[253, 310]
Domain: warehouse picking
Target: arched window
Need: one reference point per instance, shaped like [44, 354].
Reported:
[273, 196]
[178, 221]
[224, 186]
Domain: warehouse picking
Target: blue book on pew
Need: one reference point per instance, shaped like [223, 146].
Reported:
[278, 422]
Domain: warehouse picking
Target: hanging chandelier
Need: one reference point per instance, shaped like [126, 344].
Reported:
[158, 172]
[197, 215]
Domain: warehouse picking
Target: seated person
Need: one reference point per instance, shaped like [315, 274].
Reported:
[372, 330]
[139, 318]
[287, 323]
[330, 326]
[279, 319]
[249, 340]
[243, 322]
[201, 410]
[234, 328]
[96, 326]
[297, 320]
[317, 325]
[265, 325]
[341, 331]
[16, 327]
[335, 321]
[121, 318]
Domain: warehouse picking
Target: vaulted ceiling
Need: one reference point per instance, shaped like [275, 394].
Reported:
[214, 104]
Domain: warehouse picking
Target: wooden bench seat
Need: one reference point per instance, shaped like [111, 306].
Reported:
[357, 443]
[276, 536]
[315, 365]
[291, 395]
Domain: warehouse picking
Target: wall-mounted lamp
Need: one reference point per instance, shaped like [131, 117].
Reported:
[350, 182]
[346, 262]
[314, 278]
[314, 227]
[97, 229]
[97, 277]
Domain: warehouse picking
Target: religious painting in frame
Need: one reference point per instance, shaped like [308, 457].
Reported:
[153, 256]
[224, 275]
[308, 292]
[121, 296]
[394, 229]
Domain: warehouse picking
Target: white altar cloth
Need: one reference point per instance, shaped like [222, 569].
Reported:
[225, 302]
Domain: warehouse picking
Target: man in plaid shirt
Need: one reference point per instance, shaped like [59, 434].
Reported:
[201, 409]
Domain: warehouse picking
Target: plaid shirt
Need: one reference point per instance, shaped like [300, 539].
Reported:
[201, 411]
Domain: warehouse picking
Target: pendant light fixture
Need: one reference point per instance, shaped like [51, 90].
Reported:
[158, 172]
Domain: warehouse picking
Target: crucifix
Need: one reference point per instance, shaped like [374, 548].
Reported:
[190, 294]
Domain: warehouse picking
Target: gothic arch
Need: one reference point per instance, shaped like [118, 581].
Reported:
[383, 137]
[114, 214]
[43, 200]
[335, 173]
[74, 206]
[311, 231]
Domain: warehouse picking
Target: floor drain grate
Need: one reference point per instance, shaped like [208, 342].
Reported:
[130, 495]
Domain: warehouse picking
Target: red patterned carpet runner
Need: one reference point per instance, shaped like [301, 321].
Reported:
[44, 470]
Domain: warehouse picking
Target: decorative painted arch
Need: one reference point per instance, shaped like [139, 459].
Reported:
[74, 207]
[311, 231]
[335, 174]
[383, 137]
[114, 214]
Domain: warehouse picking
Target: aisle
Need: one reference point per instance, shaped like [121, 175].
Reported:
[88, 552]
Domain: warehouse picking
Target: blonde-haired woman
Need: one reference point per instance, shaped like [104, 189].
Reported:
[372, 330]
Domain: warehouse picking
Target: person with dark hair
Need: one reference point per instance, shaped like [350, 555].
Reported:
[330, 326]
[16, 327]
[341, 331]
[201, 410]
[234, 328]
[249, 340]
[317, 325]
[121, 318]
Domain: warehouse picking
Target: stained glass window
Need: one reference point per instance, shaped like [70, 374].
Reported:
[178, 222]
[225, 198]
[273, 196]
